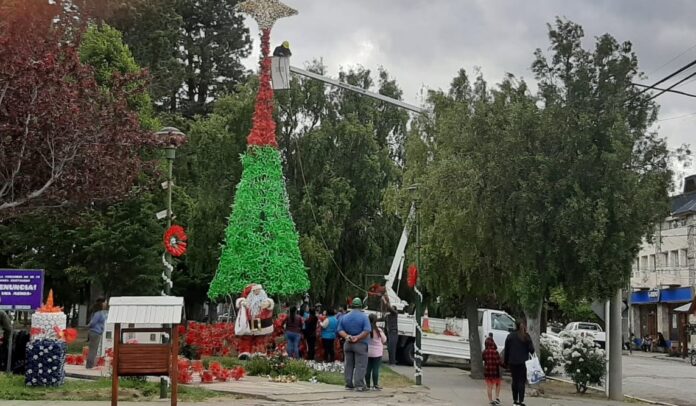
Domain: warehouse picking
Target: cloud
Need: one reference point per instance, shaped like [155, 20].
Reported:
[422, 43]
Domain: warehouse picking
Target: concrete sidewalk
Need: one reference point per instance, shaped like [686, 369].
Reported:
[442, 386]
[656, 356]
[454, 386]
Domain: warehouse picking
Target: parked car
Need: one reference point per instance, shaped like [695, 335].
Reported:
[586, 329]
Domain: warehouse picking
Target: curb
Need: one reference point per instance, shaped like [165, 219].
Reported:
[630, 397]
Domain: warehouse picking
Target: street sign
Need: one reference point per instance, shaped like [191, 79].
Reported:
[21, 289]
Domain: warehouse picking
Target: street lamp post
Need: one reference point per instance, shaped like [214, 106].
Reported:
[171, 138]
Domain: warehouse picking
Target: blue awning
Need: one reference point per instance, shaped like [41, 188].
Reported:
[645, 297]
[676, 295]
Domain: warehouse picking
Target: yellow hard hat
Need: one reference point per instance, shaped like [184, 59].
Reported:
[286, 44]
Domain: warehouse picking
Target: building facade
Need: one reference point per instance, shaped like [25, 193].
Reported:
[663, 277]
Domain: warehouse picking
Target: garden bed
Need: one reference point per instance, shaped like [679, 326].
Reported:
[12, 387]
[261, 366]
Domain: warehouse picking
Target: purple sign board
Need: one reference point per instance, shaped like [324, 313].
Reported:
[21, 289]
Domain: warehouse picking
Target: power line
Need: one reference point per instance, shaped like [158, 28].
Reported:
[673, 86]
[670, 76]
[671, 91]
[321, 234]
[676, 117]
[673, 59]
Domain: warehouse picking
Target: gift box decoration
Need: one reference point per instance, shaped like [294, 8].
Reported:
[45, 362]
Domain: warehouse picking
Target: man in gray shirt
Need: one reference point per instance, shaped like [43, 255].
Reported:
[355, 328]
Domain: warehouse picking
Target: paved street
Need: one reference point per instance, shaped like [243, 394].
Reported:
[450, 385]
[660, 379]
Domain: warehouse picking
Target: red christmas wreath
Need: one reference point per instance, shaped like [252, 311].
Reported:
[175, 240]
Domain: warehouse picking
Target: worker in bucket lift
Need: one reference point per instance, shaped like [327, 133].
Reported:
[282, 49]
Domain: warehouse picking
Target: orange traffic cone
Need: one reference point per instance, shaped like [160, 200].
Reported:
[425, 321]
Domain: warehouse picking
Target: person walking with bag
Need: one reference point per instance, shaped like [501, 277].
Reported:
[518, 348]
[355, 328]
[375, 352]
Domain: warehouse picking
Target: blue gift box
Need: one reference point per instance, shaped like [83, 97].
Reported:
[45, 363]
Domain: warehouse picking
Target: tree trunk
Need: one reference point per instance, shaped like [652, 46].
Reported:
[474, 339]
[534, 325]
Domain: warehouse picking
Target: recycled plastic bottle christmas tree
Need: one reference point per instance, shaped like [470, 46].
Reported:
[261, 242]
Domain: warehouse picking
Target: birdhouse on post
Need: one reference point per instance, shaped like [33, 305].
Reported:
[280, 72]
[135, 359]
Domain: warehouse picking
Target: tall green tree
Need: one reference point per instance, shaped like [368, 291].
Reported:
[342, 152]
[453, 157]
[192, 48]
[591, 181]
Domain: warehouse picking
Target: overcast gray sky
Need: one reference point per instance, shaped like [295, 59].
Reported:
[422, 43]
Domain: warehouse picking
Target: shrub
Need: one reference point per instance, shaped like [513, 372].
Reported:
[300, 369]
[584, 362]
[550, 355]
[258, 365]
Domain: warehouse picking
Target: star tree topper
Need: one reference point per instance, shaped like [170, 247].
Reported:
[265, 12]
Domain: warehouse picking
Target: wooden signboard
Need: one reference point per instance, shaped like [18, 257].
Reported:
[145, 359]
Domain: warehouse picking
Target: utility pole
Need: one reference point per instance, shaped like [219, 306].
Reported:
[614, 346]
[419, 305]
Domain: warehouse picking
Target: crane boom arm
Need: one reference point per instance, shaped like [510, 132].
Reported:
[398, 262]
[356, 89]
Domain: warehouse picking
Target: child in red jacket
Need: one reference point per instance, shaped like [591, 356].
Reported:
[491, 370]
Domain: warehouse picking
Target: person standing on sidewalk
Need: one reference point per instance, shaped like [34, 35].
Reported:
[518, 348]
[355, 328]
[375, 353]
[310, 333]
[391, 321]
[491, 370]
[328, 335]
[293, 332]
[94, 336]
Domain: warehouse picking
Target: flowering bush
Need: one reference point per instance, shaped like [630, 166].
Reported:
[583, 361]
[551, 354]
[200, 339]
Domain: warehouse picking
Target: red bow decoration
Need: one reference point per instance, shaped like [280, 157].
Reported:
[175, 240]
[412, 276]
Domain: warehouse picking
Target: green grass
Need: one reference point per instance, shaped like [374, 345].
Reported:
[262, 367]
[391, 379]
[12, 387]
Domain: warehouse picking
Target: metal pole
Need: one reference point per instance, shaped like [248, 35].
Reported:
[9, 342]
[171, 155]
[614, 346]
[419, 305]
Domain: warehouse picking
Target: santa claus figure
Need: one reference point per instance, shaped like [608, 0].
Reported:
[254, 324]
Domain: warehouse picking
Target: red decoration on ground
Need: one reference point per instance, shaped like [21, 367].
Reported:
[238, 373]
[175, 240]
[263, 129]
[412, 276]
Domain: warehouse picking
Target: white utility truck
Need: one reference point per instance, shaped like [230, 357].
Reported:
[443, 337]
